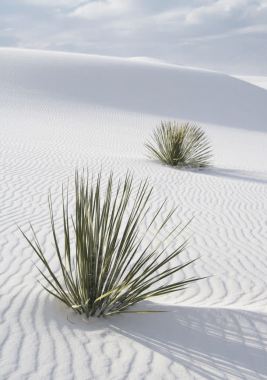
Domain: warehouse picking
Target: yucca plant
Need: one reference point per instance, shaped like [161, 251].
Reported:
[180, 144]
[105, 263]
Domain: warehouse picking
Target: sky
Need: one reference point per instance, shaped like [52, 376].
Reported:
[222, 35]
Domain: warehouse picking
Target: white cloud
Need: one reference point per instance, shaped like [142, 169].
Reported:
[52, 3]
[101, 9]
[221, 9]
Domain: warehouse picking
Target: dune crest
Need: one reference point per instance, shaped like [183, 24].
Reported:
[153, 88]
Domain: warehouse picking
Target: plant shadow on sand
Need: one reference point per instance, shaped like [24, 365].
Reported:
[213, 171]
[212, 343]
[235, 174]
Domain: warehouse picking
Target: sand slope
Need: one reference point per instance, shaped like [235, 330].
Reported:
[164, 90]
[60, 111]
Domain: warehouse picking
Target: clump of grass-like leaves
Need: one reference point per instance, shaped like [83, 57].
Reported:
[180, 144]
[106, 265]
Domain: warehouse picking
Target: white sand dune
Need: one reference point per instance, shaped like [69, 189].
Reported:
[60, 111]
[256, 80]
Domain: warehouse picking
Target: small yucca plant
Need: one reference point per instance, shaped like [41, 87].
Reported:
[180, 144]
[105, 264]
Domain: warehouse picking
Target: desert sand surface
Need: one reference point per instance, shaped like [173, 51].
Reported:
[62, 111]
[260, 81]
